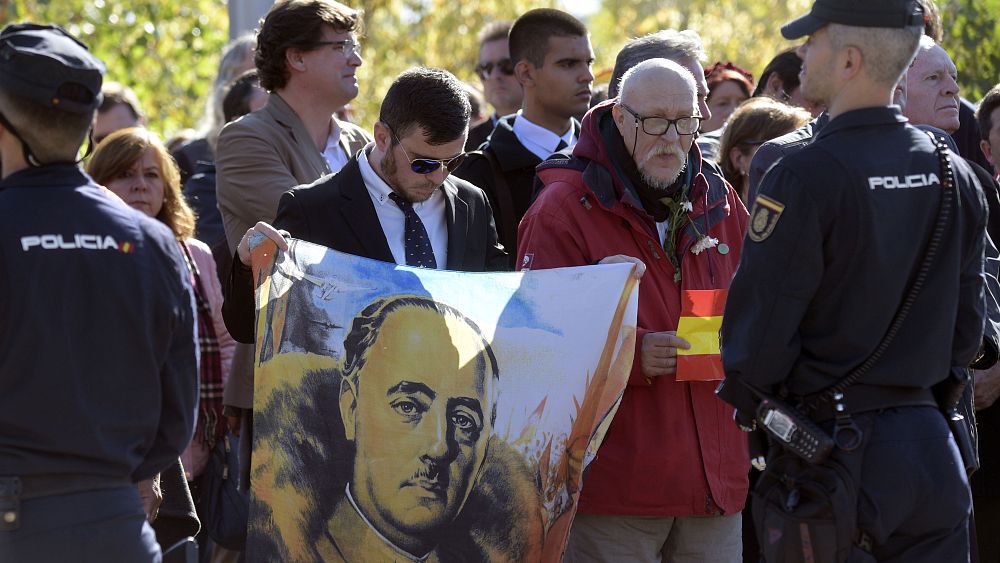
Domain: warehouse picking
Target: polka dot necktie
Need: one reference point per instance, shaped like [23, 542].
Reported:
[418, 245]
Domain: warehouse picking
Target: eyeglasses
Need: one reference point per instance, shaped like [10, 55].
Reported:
[686, 125]
[485, 70]
[347, 46]
[428, 165]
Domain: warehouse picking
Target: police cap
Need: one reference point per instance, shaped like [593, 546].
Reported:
[47, 65]
[856, 13]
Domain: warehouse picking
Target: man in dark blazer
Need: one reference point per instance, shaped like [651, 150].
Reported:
[552, 58]
[394, 200]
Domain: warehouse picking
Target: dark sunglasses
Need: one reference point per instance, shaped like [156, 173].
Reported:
[485, 70]
[428, 165]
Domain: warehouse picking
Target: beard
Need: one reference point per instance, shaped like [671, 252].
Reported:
[814, 85]
[390, 172]
[659, 182]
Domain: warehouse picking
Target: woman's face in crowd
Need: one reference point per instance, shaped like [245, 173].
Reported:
[141, 185]
[722, 101]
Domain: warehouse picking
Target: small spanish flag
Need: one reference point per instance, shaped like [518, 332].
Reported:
[700, 322]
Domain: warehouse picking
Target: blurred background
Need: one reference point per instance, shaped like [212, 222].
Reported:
[168, 51]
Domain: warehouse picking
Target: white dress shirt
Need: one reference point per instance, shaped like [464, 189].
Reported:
[335, 152]
[539, 140]
[431, 213]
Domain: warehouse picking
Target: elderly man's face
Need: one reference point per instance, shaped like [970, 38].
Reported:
[420, 423]
[657, 93]
[932, 90]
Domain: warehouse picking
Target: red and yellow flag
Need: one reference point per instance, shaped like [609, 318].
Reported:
[700, 322]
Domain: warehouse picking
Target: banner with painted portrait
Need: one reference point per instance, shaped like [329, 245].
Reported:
[405, 414]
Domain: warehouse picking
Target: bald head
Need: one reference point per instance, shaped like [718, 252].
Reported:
[657, 77]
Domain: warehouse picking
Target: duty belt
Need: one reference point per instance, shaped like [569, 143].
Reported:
[14, 489]
[861, 398]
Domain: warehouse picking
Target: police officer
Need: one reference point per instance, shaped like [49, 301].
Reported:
[835, 235]
[98, 376]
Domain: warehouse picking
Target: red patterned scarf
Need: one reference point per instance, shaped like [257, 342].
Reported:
[211, 424]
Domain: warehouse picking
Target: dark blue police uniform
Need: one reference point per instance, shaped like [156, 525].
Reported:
[835, 234]
[98, 355]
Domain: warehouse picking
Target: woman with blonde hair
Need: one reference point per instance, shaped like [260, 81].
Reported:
[134, 164]
[754, 122]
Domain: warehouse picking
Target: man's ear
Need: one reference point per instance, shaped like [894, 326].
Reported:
[851, 60]
[293, 56]
[986, 148]
[348, 407]
[618, 114]
[524, 71]
[383, 137]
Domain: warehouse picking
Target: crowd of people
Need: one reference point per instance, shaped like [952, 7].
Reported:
[799, 195]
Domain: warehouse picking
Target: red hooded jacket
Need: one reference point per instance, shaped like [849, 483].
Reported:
[672, 448]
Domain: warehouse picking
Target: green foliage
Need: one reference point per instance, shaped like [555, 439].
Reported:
[744, 32]
[167, 51]
[972, 29]
[400, 34]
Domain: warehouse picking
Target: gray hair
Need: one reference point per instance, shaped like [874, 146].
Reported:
[887, 52]
[669, 44]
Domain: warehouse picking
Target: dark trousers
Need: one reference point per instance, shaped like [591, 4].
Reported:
[915, 500]
[91, 526]
[988, 528]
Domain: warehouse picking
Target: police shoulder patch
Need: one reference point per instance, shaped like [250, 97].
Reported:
[764, 218]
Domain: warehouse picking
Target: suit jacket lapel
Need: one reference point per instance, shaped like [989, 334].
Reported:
[286, 116]
[358, 212]
[458, 226]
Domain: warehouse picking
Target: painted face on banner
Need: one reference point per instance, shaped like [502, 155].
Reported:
[420, 422]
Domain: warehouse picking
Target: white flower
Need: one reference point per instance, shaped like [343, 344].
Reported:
[704, 243]
[686, 206]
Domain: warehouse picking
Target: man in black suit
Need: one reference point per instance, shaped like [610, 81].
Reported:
[394, 201]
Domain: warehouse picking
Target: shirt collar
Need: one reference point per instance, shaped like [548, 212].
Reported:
[409, 556]
[864, 117]
[333, 141]
[526, 130]
[377, 187]
[49, 175]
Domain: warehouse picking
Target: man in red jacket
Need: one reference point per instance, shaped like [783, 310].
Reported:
[671, 476]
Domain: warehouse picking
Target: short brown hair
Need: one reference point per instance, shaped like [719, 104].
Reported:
[120, 151]
[118, 94]
[51, 135]
[932, 20]
[754, 122]
[984, 115]
[297, 24]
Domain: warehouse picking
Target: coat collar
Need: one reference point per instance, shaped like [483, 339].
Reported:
[509, 151]
[865, 117]
[358, 212]
[283, 114]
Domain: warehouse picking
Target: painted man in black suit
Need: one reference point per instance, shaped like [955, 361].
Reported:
[394, 201]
